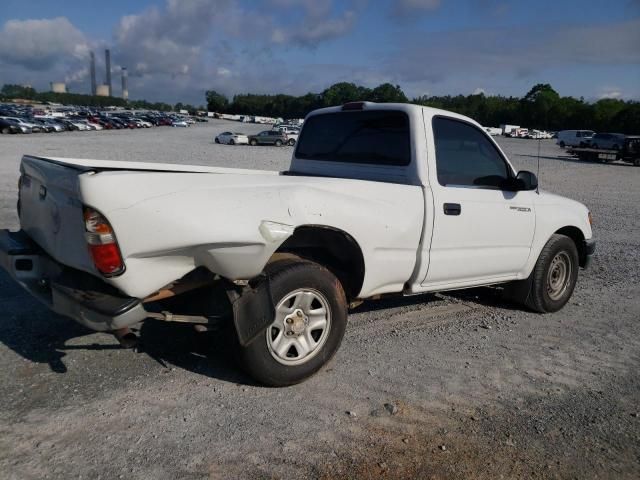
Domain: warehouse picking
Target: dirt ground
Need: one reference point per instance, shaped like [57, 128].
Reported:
[457, 385]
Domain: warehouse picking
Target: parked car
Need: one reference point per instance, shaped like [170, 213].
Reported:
[179, 123]
[57, 126]
[230, 138]
[291, 132]
[493, 131]
[42, 125]
[363, 211]
[34, 128]
[9, 126]
[630, 153]
[607, 141]
[269, 137]
[574, 138]
[539, 135]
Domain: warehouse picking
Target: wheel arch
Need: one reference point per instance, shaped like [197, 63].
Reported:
[332, 248]
[575, 234]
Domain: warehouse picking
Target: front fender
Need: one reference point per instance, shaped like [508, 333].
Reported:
[553, 214]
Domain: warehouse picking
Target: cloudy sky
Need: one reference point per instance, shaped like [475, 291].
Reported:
[175, 50]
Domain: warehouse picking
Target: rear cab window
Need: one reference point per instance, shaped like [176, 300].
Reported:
[377, 137]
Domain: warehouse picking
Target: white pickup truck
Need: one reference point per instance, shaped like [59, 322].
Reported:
[379, 199]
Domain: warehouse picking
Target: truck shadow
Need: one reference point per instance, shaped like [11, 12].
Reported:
[31, 331]
[212, 353]
[40, 336]
[483, 296]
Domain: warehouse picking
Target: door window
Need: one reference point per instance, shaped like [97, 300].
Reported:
[466, 157]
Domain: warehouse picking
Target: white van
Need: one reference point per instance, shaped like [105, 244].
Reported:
[574, 138]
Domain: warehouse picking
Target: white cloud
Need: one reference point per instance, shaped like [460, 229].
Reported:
[610, 92]
[507, 53]
[41, 44]
[479, 91]
[315, 30]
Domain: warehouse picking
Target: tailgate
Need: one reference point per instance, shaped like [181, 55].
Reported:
[51, 211]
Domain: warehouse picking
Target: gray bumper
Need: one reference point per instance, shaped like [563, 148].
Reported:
[68, 292]
[589, 250]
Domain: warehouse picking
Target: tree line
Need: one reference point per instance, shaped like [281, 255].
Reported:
[541, 108]
[10, 92]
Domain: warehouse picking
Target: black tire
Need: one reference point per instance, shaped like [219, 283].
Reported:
[636, 162]
[616, 147]
[595, 145]
[291, 142]
[5, 130]
[537, 292]
[581, 145]
[232, 142]
[253, 142]
[217, 141]
[562, 144]
[278, 143]
[286, 278]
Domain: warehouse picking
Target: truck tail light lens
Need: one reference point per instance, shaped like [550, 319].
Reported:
[102, 243]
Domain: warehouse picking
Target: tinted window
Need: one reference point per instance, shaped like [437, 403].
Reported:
[376, 137]
[465, 156]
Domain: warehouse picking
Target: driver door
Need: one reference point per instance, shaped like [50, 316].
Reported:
[481, 232]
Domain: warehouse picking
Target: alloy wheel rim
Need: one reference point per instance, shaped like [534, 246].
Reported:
[301, 327]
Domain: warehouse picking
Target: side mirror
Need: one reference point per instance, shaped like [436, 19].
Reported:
[526, 180]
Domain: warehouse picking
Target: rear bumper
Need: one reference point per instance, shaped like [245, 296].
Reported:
[66, 291]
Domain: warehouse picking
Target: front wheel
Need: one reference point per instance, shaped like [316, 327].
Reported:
[310, 321]
[217, 140]
[253, 142]
[562, 144]
[291, 142]
[232, 142]
[278, 143]
[553, 279]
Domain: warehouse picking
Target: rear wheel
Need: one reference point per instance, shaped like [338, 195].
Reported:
[553, 279]
[217, 141]
[278, 143]
[562, 144]
[310, 321]
[232, 142]
[253, 142]
[595, 145]
[291, 142]
[5, 130]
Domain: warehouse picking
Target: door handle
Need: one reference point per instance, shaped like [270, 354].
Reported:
[452, 209]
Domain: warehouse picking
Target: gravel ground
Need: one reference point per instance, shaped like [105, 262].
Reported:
[475, 388]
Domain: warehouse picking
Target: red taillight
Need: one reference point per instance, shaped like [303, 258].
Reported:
[102, 242]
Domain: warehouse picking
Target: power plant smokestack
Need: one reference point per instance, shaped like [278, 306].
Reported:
[107, 60]
[93, 73]
[125, 90]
